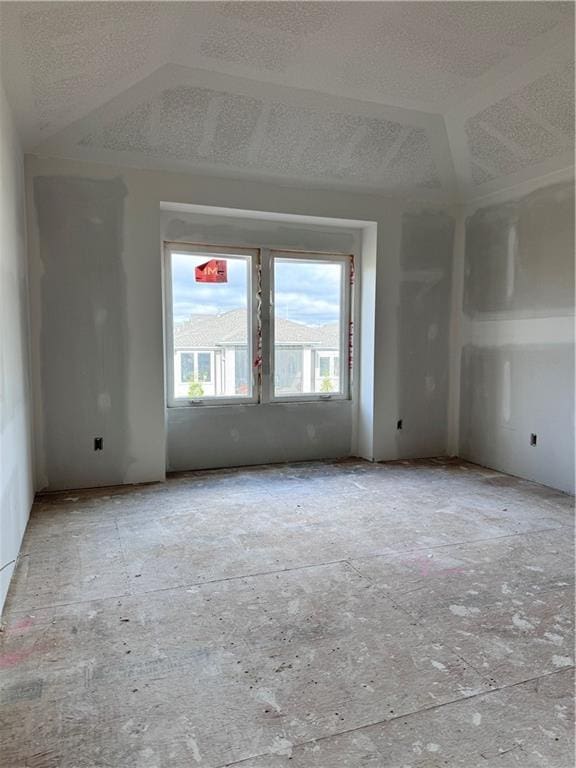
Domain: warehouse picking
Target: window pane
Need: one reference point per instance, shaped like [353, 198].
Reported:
[307, 326]
[241, 371]
[204, 366]
[186, 367]
[211, 315]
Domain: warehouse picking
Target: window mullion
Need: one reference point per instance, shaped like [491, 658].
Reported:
[266, 329]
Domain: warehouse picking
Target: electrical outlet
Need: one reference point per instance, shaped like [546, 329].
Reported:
[533, 439]
[399, 424]
[98, 443]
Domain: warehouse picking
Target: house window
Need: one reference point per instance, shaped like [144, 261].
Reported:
[211, 327]
[187, 367]
[324, 366]
[327, 370]
[311, 295]
[196, 367]
[204, 367]
[255, 326]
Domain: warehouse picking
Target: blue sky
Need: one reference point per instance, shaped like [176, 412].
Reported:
[304, 292]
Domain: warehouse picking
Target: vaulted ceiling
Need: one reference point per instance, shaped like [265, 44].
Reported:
[442, 100]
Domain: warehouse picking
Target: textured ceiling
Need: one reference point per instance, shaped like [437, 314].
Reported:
[204, 125]
[437, 98]
[532, 124]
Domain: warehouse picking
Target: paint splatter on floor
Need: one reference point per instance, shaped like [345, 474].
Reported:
[322, 615]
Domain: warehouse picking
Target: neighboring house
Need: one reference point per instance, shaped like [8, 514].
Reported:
[210, 352]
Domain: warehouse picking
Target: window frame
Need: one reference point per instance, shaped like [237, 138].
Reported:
[254, 327]
[261, 329]
[346, 298]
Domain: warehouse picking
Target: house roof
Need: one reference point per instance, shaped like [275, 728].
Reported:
[230, 328]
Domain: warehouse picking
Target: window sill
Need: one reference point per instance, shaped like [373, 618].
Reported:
[251, 403]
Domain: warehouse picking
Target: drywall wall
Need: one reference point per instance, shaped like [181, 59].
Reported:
[16, 485]
[424, 331]
[511, 392]
[237, 435]
[520, 256]
[83, 344]
[517, 371]
[383, 373]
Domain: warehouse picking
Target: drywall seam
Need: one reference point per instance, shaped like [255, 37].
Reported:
[16, 451]
[261, 216]
[365, 317]
[35, 279]
[388, 276]
[456, 333]
[520, 330]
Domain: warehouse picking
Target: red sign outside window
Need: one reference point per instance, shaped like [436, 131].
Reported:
[213, 271]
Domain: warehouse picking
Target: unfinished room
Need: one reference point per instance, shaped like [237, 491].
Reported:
[287, 384]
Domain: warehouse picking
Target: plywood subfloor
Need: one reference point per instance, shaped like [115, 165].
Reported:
[324, 615]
